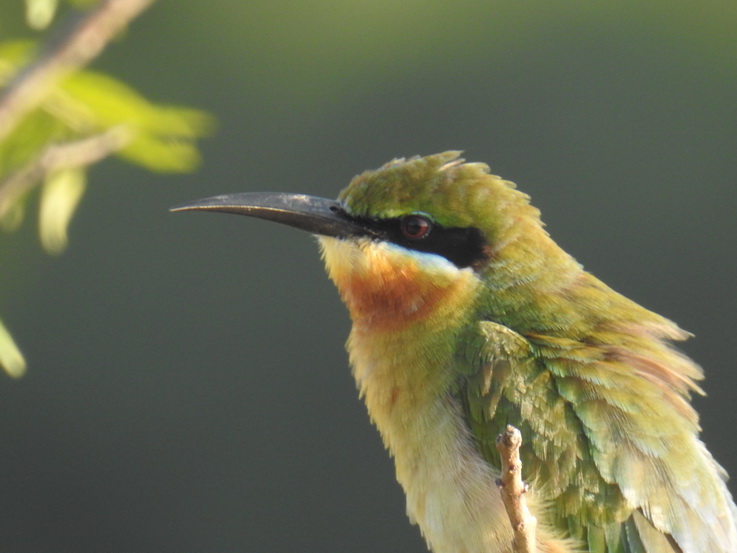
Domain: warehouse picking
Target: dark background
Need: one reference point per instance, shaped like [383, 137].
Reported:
[188, 390]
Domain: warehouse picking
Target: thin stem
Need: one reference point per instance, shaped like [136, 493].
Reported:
[55, 157]
[513, 490]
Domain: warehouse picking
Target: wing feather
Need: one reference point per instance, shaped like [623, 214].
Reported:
[611, 440]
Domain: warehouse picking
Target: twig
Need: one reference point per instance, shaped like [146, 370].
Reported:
[55, 157]
[512, 490]
[87, 36]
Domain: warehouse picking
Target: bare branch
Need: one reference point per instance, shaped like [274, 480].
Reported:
[512, 490]
[60, 156]
[86, 37]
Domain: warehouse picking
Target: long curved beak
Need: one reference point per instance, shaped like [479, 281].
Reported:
[312, 214]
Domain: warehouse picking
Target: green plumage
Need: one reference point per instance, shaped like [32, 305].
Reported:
[588, 376]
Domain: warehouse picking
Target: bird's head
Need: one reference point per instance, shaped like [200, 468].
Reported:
[412, 235]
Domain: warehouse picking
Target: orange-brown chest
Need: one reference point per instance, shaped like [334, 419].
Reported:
[386, 289]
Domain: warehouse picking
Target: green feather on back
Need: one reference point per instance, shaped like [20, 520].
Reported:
[610, 438]
[589, 377]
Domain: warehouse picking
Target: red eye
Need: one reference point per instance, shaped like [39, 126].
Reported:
[415, 227]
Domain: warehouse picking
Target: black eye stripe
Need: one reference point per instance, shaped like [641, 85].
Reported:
[464, 247]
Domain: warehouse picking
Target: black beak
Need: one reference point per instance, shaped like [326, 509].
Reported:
[309, 213]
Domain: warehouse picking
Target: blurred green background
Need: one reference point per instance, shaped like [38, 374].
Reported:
[188, 390]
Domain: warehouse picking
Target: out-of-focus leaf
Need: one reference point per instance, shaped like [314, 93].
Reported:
[162, 137]
[32, 135]
[60, 195]
[26, 142]
[40, 13]
[11, 359]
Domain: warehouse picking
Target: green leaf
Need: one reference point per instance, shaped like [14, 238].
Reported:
[60, 195]
[40, 13]
[11, 359]
[26, 143]
[162, 137]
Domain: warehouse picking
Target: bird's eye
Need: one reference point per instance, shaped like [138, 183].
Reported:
[415, 227]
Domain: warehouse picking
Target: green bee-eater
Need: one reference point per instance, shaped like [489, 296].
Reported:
[467, 317]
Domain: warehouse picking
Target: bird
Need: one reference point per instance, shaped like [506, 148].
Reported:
[466, 318]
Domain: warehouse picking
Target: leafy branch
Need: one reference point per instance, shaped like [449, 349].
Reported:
[85, 38]
[57, 119]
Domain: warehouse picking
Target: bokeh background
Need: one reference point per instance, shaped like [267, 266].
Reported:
[188, 390]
